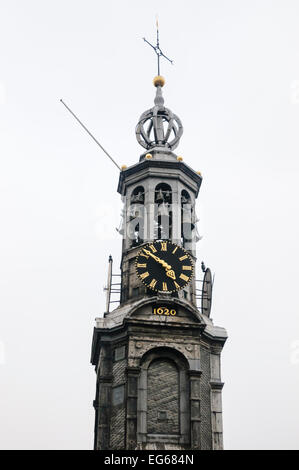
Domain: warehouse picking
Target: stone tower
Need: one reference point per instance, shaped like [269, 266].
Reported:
[157, 355]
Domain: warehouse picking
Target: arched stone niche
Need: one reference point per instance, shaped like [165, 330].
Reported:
[168, 419]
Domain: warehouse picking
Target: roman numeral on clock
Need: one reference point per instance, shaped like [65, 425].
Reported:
[183, 257]
[165, 286]
[185, 278]
[152, 283]
[141, 265]
[144, 275]
[186, 268]
[163, 246]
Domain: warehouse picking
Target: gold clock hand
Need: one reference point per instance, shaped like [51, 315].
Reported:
[169, 271]
[151, 254]
[156, 258]
[165, 265]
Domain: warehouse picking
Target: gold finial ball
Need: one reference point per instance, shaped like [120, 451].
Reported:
[199, 173]
[159, 81]
[179, 159]
[148, 156]
[123, 167]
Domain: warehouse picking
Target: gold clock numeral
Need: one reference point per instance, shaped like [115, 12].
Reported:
[153, 248]
[186, 268]
[165, 287]
[141, 265]
[183, 257]
[153, 283]
[163, 246]
[185, 278]
[144, 275]
[174, 250]
[145, 255]
[176, 285]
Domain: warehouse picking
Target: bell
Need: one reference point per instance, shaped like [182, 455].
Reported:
[159, 196]
[139, 197]
[120, 228]
[187, 231]
[186, 216]
[163, 209]
[184, 200]
[167, 195]
[197, 236]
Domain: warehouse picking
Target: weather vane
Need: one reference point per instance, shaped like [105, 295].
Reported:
[157, 48]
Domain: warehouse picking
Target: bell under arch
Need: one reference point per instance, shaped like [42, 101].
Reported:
[163, 212]
[135, 216]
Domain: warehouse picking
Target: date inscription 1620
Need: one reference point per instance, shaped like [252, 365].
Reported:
[164, 311]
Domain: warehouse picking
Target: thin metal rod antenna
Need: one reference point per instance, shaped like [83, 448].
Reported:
[88, 132]
[158, 46]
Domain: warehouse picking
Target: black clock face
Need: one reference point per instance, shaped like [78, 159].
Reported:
[164, 266]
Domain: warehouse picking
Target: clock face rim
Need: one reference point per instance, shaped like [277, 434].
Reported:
[174, 245]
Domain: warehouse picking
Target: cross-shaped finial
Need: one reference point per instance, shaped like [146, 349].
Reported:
[157, 48]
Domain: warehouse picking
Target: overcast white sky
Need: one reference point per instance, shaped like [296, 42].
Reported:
[235, 86]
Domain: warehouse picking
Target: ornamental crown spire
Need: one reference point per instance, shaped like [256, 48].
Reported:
[159, 126]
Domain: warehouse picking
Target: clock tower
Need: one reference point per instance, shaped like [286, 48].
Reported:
[157, 355]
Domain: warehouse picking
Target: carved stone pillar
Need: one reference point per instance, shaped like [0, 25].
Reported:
[176, 215]
[131, 412]
[103, 431]
[216, 401]
[103, 401]
[194, 377]
[150, 210]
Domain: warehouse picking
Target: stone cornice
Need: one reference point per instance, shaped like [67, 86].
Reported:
[216, 385]
[165, 165]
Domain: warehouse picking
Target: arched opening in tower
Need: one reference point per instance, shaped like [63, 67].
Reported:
[163, 212]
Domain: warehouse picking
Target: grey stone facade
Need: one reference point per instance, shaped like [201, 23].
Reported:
[158, 376]
[170, 378]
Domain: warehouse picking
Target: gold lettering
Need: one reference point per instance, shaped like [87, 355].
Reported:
[186, 268]
[183, 257]
[164, 311]
[185, 278]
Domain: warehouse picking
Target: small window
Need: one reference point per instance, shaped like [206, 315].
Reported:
[119, 353]
[162, 415]
[118, 395]
[135, 291]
